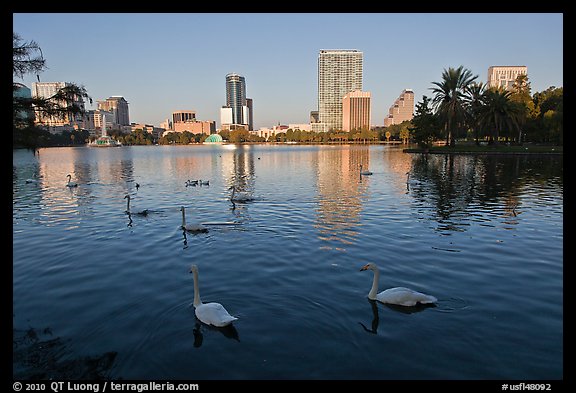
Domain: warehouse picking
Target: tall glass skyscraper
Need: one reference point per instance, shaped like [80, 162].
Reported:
[236, 97]
[339, 73]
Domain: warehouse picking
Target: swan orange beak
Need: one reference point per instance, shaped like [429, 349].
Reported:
[365, 267]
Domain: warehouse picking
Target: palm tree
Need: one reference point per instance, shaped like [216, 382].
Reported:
[449, 100]
[499, 113]
[521, 85]
[474, 104]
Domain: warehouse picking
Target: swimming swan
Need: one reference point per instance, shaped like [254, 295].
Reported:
[366, 173]
[191, 227]
[399, 295]
[71, 184]
[142, 213]
[210, 313]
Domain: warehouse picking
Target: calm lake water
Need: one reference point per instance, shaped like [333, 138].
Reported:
[98, 293]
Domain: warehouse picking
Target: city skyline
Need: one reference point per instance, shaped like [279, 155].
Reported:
[163, 62]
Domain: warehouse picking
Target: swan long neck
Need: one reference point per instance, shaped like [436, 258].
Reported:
[184, 220]
[233, 192]
[197, 301]
[128, 204]
[374, 289]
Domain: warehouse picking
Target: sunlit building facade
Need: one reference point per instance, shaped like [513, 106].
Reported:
[119, 107]
[505, 76]
[339, 73]
[356, 111]
[47, 90]
[402, 109]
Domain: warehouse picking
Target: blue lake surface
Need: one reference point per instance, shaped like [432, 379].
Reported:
[483, 234]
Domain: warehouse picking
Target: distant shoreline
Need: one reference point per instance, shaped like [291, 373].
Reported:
[490, 150]
[459, 149]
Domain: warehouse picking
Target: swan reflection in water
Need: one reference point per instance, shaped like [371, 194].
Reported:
[375, 318]
[185, 239]
[394, 307]
[228, 331]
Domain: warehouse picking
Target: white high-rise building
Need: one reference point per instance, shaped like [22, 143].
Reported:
[339, 73]
[505, 76]
[47, 90]
[225, 116]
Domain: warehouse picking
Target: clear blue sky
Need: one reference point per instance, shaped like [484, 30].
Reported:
[162, 62]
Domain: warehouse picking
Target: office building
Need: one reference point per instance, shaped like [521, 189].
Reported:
[119, 107]
[237, 105]
[356, 111]
[183, 117]
[54, 123]
[505, 76]
[339, 73]
[250, 114]
[402, 109]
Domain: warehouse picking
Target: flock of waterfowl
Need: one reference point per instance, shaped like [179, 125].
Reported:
[215, 314]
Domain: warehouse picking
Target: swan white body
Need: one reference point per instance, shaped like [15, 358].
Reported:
[240, 197]
[142, 212]
[70, 184]
[400, 296]
[210, 313]
[192, 226]
[365, 173]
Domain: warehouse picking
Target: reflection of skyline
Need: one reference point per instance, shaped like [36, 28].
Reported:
[339, 191]
[398, 163]
[460, 187]
[238, 168]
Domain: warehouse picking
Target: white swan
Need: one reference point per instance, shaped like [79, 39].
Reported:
[210, 313]
[399, 295]
[193, 226]
[365, 173]
[241, 197]
[142, 212]
[71, 184]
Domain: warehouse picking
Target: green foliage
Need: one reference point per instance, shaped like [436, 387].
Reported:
[426, 126]
[137, 137]
[27, 58]
[464, 107]
[450, 98]
[239, 135]
[179, 138]
[499, 115]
